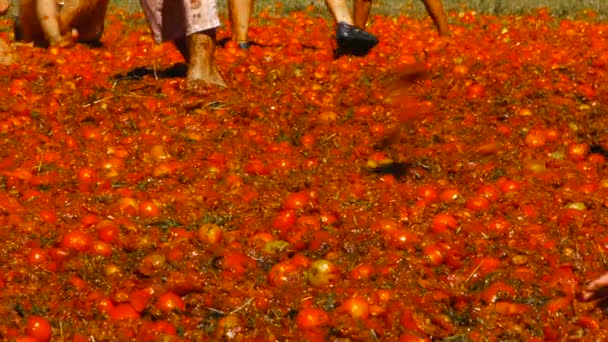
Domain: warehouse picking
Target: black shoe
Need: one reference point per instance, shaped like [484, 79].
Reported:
[353, 41]
[17, 29]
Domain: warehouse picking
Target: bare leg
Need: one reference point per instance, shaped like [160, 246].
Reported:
[240, 11]
[340, 11]
[437, 13]
[38, 22]
[4, 6]
[27, 26]
[350, 39]
[48, 16]
[86, 16]
[201, 65]
[361, 12]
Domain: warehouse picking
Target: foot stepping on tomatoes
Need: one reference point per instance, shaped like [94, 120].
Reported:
[353, 41]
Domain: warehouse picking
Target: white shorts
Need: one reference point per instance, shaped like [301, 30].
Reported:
[174, 19]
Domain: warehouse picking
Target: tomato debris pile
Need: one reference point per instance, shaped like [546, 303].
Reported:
[308, 200]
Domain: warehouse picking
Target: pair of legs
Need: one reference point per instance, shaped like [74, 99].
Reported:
[433, 7]
[45, 22]
[191, 25]
[350, 39]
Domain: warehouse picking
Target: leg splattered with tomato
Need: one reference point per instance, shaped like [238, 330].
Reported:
[49, 23]
[191, 25]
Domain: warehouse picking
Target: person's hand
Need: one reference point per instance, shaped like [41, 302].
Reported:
[596, 289]
[4, 6]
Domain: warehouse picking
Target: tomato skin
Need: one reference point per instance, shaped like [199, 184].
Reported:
[26, 339]
[578, 152]
[402, 238]
[86, 176]
[169, 301]
[153, 331]
[412, 338]
[448, 195]
[283, 274]
[385, 225]
[140, 299]
[477, 203]
[409, 321]
[509, 185]
[76, 240]
[356, 307]
[311, 318]
[37, 256]
[123, 312]
[428, 193]
[48, 216]
[101, 248]
[256, 167]
[362, 272]
[236, 264]
[499, 225]
[296, 201]
[475, 92]
[443, 222]
[148, 209]
[435, 254]
[108, 233]
[284, 220]
[323, 273]
[488, 191]
[39, 328]
[210, 233]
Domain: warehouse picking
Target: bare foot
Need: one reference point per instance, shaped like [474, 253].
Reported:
[201, 65]
[212, 77]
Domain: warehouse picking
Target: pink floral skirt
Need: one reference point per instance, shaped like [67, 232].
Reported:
[173, 19]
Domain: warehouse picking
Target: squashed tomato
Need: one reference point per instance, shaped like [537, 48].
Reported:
[439, 188]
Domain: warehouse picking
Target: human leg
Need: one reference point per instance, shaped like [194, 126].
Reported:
[340, 11]
[240, 12]
[26, 25]
[351, 40]
[181, 44]
[362, 9]
[85, 16]
[437, 13]
[204, 21]
[4, 6]
[201, 62]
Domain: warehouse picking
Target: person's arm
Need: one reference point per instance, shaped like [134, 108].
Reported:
[437, 13]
